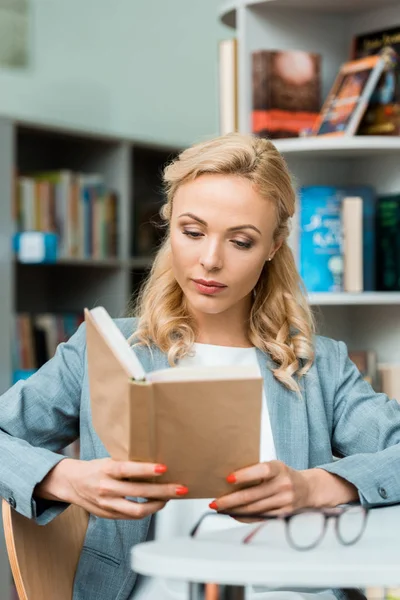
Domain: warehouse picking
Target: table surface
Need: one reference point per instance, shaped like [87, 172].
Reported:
[268, 560]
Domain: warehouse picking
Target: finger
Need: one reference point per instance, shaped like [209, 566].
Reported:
[127, 509]
[119, 469]
[247, 495]
[163, 491]
[280, 502]
[255, 473]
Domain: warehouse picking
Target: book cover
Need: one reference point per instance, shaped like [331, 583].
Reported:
[372, 43]
[320, 238]
[345, 105]
[228, 86]
[60, 183]
[286, 92]
[382, 116]
[352, 233]
[368, 195]
[181, 417]
[388, 243]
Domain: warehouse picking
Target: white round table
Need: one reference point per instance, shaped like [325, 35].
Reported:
[220, 557]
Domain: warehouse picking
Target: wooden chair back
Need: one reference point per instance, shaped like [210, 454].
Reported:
[44, 558]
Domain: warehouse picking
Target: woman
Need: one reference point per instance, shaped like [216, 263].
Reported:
[223, 288]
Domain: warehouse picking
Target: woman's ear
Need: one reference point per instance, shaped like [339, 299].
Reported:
[274, 250]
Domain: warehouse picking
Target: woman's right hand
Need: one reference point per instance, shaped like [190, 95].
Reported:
[101, 486]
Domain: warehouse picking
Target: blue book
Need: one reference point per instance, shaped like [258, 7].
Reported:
[368, 195]
[36, 246]
[321, 249]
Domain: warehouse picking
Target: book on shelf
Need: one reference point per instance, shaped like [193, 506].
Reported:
[352, 231]
[228, 86]
[35, 342]
[286, 92]
[388, 243]
[179, 416]
[351, 92]
[78, 207]
[335, 238]
[382, 116]
[320, 246]
[37, 337]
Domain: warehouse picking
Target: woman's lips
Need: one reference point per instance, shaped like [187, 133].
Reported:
[209, 289]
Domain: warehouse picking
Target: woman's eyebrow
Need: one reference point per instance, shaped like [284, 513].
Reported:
[236, 228]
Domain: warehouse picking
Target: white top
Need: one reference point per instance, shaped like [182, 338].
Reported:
[179, 516]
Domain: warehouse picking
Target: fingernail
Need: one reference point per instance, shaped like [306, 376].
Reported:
[231, 478]
[213, 505]
[181, 490]
[160, 469]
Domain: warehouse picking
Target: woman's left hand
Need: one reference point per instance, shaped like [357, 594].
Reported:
[276, 489]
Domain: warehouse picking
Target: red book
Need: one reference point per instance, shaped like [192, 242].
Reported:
[286, 92]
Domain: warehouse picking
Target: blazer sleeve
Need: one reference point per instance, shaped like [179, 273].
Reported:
[366, 432]
[39, 417]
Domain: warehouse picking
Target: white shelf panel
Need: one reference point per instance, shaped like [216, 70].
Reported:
[348, 299]
[228, 8]
[325, 147]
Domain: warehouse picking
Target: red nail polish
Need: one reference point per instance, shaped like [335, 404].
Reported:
[231, 478]
[181, 490]
[213, 505]
[160, 469]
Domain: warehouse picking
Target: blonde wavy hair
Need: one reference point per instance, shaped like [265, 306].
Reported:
[280, 321]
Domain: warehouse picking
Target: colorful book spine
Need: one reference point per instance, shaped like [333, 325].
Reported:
[77, 207]
[37, 337]
[388, 243]
[369, 199]
[320, 238]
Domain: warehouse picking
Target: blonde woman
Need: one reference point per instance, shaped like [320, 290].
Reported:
[223, 289]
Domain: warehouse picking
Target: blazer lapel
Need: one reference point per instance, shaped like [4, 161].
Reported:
[288, 416]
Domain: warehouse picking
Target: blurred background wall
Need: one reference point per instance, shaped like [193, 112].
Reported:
[139, 68]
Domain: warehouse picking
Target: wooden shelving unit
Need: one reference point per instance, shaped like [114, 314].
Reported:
[363, 321]
[130, 168]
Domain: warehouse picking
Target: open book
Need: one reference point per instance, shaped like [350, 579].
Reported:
[202, 422]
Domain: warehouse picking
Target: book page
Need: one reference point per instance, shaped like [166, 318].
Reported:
[205, 373]
[118, 343]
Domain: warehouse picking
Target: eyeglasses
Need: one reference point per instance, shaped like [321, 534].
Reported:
[306, 528]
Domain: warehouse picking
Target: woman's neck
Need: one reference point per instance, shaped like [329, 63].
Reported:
[219, 334]
[227, 328]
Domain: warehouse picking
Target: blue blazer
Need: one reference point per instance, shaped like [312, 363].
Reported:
[338, 413]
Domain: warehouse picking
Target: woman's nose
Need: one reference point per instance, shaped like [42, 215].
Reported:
[211, 257]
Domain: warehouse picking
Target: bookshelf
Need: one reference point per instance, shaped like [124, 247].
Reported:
[367, 320]
[349, 299]
[130, 168]
[353, 147]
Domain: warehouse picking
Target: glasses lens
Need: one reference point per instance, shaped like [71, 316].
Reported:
[350, 524]
[306, 529]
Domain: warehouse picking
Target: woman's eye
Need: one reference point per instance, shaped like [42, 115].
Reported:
[243, 245]
[193, 234]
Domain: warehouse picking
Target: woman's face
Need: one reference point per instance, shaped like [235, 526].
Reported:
[221, 234]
